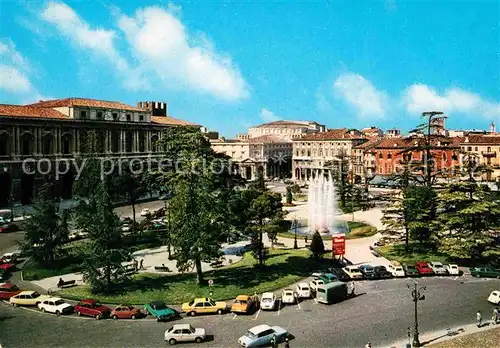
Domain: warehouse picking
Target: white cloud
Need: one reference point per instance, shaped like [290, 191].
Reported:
[361, 94]
[13, 80]
[268, 116]
[100, 41]
[160, 42]
[420, 97]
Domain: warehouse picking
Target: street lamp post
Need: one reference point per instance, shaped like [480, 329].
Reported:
[294, 226]
[416, 294]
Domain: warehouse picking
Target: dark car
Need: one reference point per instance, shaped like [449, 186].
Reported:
[341, 275]
[368, 272]
[487, 272]
[410, 270]
[382, 272]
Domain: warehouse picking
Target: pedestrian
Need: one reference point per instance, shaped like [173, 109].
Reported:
[305, 239]
[352, 288]
[479, 318]
[136, 265]
[494, 319]
[287, 344]
[273, 341]
[141, 266]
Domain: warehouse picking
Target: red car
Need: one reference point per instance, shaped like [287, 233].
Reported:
[7, 290]
[423, 268]
[92, 308]
[126, 312]
[7, 266]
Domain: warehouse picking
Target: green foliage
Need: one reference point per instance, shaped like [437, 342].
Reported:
[46, 229]
[420, 202]
[289, 196]
[317, 245]
[295, 189]
[104, 251]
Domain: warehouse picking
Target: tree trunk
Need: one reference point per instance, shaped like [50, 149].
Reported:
[199, 271]
[132, 203]
[261, 261]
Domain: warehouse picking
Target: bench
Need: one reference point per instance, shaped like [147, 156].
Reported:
[162, 269]
[62, 283]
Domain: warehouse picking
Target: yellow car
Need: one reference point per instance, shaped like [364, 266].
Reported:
[245, 304]
[28, 298]
[204, 305]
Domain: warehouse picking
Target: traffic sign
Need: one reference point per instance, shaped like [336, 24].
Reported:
[210, 282]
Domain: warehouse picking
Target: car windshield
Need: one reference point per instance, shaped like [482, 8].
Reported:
[438, 266]
[35, 294]
[191, 328]
[453, 267]
[240, 302]
[97, 304]
[399, 269]
[14, 288]
[304, 288]
[250, 335]
[59, 302]
[212, 303]
[266, 299]
[162, 305]
[191, 303]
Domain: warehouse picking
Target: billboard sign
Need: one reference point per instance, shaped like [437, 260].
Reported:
[338, 244]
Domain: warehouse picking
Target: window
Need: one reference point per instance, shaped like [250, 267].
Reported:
[115, 116]
[141, 117]
[380, 155]
[389, 155]
[469, 148]
[489, 149]
[129, 117]
[475, 149]
[186, 332]
[99, 115]
[83, 114]
[199, 304]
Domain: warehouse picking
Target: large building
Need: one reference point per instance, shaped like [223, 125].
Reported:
[486, 148]
[286, 129]
[314, 153]
[36, 139]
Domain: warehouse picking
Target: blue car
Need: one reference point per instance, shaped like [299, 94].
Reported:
[262, 335]
[161, 311]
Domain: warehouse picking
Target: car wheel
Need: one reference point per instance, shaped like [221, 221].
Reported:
[220, 311]
[98, 316]
[133, 317]
[58, 313]
[192, 313]
[199, 339]
[158, 319]
[78, 313]
[115, 317]
[172, 341]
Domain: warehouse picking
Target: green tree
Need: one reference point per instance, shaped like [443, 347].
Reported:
[289, 196]
[46, 229]
[317, 245]
[104, 251]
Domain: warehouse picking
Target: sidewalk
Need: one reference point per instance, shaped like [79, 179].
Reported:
[432, 338]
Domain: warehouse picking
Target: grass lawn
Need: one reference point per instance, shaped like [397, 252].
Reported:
[283, 267]
[416, 253]
[68, 264]
[476, 340]
[300, 197]
[358, 230]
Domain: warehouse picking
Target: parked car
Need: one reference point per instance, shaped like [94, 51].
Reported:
[353, 272]
[494, 297]
[126, 312]
[145, 212]
[332, 292]
[328, 278]
[341, 275]
[313, 284]
[438, 268]
[268, 301]
[125, 228]
[7, 266]
[452, 269]
[303, 290]
[382, 272]
[410, 270]
[55, 305]
[288, 297]
[396, 269]
[368, 272]
[10, 257]
[245, 304]
[161, 311]
[7, 290]
[204, 305]
[423, 268]
[92, 308]
[184, 333]
[261, 335]
[486, 272]
[27, 298]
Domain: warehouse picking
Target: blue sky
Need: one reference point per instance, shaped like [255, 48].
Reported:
[229, 65]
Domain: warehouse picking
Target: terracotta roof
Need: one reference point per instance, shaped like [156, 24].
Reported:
[269, 139]
[368, 144]
[30, 111]
[481, 139]
[284, 123]
[86, 103]
[167, 120]
[391, 143]
[333, 134]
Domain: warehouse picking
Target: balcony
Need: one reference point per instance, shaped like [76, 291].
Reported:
[489, 154]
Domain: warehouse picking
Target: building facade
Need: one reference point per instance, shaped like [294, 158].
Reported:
[36, 139]
[486, 149]
[286, 129]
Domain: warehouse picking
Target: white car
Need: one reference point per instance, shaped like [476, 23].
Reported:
[55, 305]
[353, 272]
[184, 333]
[125, 228]
[396, 270]
[438, 268]
[145, 212]
[10, 257]
[494, 297]
[313, 284]
[268, 301]
[452, 269]
[262, 335]
[303, 290]
[288, 297]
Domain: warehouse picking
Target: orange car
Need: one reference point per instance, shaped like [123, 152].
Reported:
[126, 312]
[245, 304]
